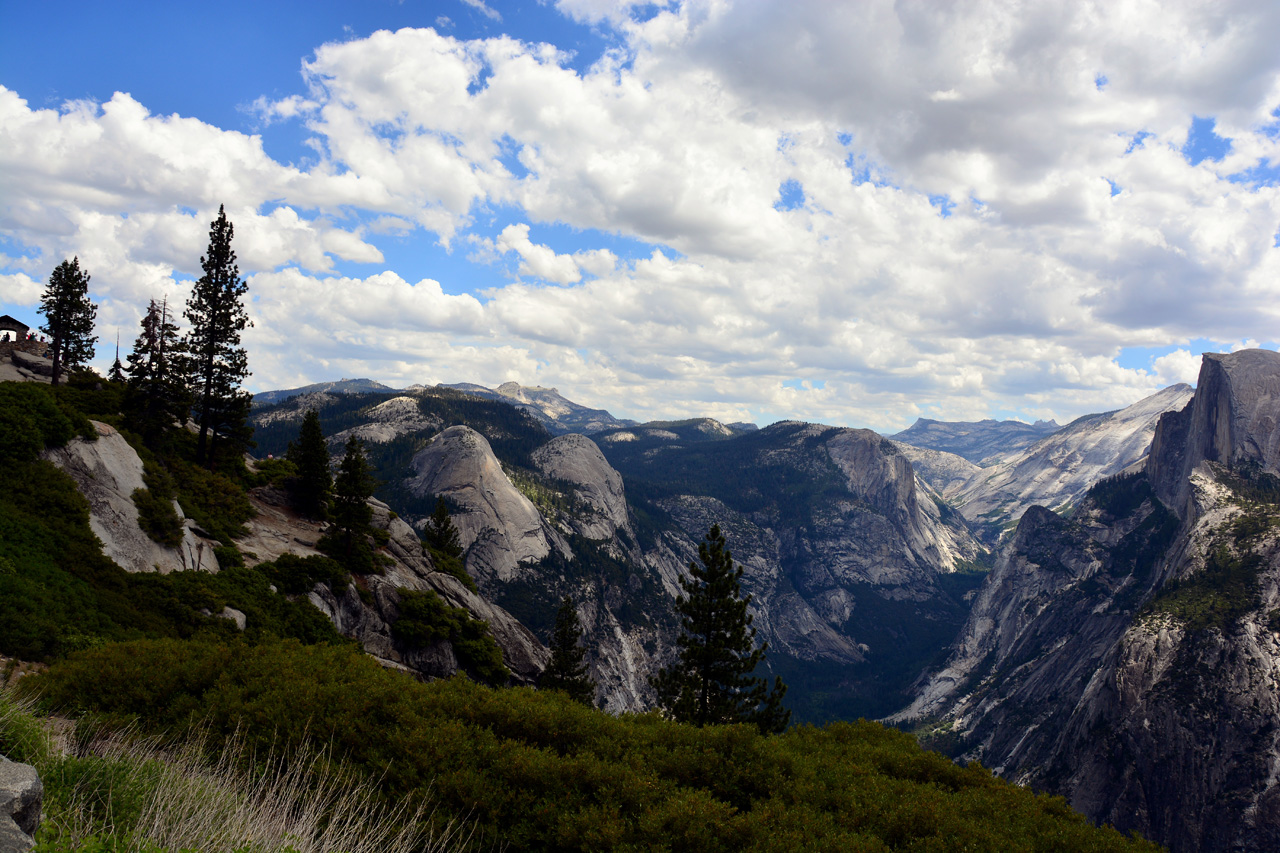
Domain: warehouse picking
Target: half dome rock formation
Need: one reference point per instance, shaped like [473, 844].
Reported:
[502, 530]
[1233, 420]
[1128, 657]
[107, 472]
[577, 460]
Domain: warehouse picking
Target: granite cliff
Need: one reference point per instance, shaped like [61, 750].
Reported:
[1128, 657]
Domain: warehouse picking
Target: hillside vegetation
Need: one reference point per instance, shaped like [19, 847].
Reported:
[537, 771]
[527, 770]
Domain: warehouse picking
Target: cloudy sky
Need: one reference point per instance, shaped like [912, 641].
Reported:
[854, 213]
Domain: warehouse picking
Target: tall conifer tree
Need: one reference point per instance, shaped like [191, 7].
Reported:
[711, 682]
[218, 362]
[567, 669]
[440, 531]
[310, 455]
[156, 394]
[346, 539]
[69, 317]
[116, 373]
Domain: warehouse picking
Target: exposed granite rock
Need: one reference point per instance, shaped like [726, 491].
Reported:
[1083, 671]
[32, 363]
[577, 460]
[107, 472]
[502, 531]
[387, 421]
[21, 798]
[1056, 471]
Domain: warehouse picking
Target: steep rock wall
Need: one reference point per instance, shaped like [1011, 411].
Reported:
[1129, 657]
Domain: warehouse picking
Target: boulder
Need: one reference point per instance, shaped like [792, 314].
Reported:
[32, 362]
[21, 798]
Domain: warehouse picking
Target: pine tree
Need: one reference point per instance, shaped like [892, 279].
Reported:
[567, 670]
[440, 531]
[311, 457]
[711, 682]
[156, 394]
[347, 537]
[69, 317]
[218, 362]
[116, 373]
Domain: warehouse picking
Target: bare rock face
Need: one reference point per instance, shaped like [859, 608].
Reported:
[1128, 658]
[501, 530]
[1234, 419]
[21, 799]
[107, 472]
[577, 460]
[946, 472]
[386, 422]
[902, 542]
[1057, 470]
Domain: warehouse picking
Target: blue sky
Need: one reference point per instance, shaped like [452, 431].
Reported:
[751, 210]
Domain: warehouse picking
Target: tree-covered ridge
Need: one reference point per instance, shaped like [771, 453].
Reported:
[538, 771]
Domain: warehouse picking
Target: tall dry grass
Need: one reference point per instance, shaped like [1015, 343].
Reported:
[117, 791]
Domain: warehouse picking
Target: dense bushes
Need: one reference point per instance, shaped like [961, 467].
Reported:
[537, 771]
[425, 618]
[59, 593]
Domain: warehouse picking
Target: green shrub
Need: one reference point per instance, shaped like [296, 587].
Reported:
[1218, 595]
[537, 771]
[451, 565]
[157, 517]
[424, 618]
[297, 575]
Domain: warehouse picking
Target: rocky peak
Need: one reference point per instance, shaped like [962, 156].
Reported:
[501, 528]
[576, 459]
[1234, 418]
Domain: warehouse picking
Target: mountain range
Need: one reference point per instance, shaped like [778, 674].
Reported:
[1093, 610]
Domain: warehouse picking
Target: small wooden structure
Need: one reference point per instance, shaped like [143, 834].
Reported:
[13, 330]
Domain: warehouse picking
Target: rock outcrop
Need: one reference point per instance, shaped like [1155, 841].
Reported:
[501, 529]
[21, 799]
[1128, 657]
[577, 460]
[277, 530]
[387, 421]
[107, 471]
[1057, 470]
